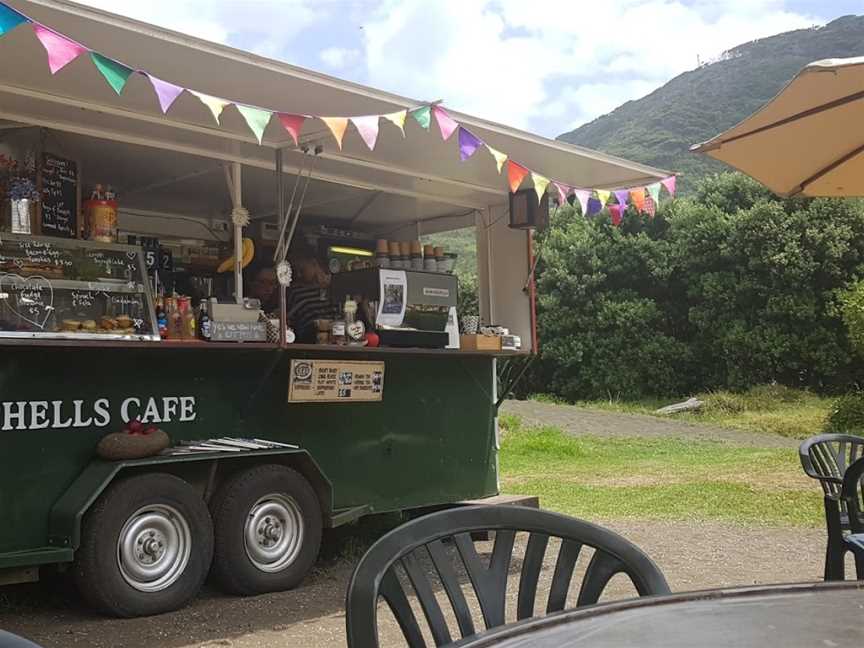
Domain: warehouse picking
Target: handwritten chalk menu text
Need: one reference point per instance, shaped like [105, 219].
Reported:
[59, 196]
[32, 255]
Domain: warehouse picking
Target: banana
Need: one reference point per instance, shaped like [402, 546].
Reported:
[248, 255]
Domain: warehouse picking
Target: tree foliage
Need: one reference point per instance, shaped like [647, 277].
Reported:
[728, 289]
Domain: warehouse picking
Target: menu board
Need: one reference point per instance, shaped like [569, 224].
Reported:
[59, 196]
[335, 381]
[27, 256]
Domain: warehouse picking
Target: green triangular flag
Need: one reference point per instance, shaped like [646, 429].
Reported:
[116, 74]
[423, 116]
[654, 192]
[256, 118]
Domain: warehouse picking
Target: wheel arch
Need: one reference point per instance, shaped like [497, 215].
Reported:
[205, 472]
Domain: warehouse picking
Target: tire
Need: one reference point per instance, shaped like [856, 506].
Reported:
[146, 546]
[267, 523]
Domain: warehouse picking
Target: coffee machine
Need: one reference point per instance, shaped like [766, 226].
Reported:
[428, 297]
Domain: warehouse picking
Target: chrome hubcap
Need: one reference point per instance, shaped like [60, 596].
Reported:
[274, 532]
[154, 548]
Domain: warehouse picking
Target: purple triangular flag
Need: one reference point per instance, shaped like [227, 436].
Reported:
[167, 92]
[622, 195]
[468, 143]
[594, 206]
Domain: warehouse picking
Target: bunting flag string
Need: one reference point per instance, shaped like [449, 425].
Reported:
[10, 19]
[337, 126]
[515, 174]
[256, 118]
[167, 93]
[116, 74]
[468, 143]
[398, 119]
[367, 126]
[62, 50]
[446, 124]
[292, 124]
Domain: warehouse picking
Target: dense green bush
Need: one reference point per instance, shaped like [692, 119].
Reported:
[847, 415]
[725, 290]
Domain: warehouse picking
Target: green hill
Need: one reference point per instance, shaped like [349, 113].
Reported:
[658, 129]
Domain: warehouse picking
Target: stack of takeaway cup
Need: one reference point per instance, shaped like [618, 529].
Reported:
[416, 255]
[429, 262]
[382, 254]
[395, 261]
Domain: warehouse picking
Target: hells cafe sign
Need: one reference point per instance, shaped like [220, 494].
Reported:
[60, 414]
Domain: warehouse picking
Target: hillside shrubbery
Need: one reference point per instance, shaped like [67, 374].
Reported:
[727, 289]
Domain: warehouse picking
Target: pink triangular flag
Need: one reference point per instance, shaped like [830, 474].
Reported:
[166, 92]
[563, 191]
[367, 126]
[337, 126]
[583, 197]
[445, 122]
[61, 50]
[292, 124]
[669, 183]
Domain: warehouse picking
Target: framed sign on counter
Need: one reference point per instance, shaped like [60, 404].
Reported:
[335, 381]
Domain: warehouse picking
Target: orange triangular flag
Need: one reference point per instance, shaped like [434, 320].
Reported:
[637, 196]
[515, 174]
[337, 126]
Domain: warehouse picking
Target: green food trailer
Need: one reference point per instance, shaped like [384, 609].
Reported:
[312, 436]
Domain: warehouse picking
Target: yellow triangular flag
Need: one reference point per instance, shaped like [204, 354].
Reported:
[603, 195]
[337, 126]
[215, 104]
[397, 119]
[540, 184]
[500, 158]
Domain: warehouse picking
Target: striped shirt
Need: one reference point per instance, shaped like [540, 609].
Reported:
[304, 305]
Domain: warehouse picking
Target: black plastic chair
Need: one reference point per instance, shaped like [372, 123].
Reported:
[9, 640]
[826, 457]
[424, 539]
[852, 495]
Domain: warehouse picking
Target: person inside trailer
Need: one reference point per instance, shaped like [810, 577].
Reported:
[308, 298]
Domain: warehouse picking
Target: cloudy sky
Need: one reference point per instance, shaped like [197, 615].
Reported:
[543, 65]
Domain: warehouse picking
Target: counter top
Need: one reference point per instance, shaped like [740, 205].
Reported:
[317, 349]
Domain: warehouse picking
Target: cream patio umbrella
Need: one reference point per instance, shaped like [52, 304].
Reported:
[809, 139]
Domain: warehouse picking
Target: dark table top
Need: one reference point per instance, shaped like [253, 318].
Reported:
[807, 614]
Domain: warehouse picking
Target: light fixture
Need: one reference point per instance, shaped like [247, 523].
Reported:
[338, 249]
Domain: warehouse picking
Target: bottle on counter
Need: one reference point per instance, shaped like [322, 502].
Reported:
[337, 332]
[161, 318]
[203, 321]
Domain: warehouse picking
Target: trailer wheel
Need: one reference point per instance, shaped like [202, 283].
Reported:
[146, 546]
[267, 530]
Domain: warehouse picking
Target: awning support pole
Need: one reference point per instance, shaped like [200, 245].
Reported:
[280, 210]
[240, 218]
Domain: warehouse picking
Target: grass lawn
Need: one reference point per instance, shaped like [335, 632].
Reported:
[781, 410]
[667, 479]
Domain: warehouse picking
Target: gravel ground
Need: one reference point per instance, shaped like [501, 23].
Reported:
[577, 421]
[692, 555]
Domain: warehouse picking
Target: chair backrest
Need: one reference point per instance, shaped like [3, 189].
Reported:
[853, 495]
[426, 540]
[827, 456]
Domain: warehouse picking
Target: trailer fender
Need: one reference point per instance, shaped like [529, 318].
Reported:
[205, 471]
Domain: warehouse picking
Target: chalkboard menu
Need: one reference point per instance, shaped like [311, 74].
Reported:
[58, 287]
[79, 261]
[59, 196]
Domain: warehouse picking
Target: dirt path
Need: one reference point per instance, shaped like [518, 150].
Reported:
[577, 420]
[692, 555]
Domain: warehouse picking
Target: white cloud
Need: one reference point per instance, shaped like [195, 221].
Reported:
[547, 64]
[339, 57]
[511, 60]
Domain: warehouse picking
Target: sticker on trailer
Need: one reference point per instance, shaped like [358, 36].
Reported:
[335, 381]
